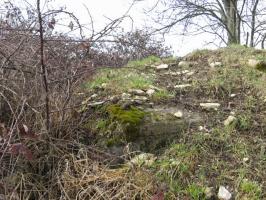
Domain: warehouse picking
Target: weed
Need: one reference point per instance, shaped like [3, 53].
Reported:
[196, 192]
[120, 80]
[250, 190]
[244, 121]
[101, 124]
[162, 95]
[141, 64]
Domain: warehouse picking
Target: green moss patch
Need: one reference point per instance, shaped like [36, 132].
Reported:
[129, 119]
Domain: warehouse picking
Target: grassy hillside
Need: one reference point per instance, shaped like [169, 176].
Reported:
[212, 153]
[176, 128]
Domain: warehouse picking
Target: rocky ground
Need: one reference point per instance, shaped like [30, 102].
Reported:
[196, 126]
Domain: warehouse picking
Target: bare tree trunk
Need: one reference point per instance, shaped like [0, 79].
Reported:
[253, 23]
[44, 69]
[247, 38]
[263, 40]
[232, 21]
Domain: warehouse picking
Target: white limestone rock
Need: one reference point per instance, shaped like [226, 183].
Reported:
[179, 114]
[94, 104]
[214, 106]
[182, 86]
[215, 64]
[253, 63]
[125, 96]
[150, 92]
[184, 64]
[224, 194]
[140, 98]
[231, 119]
[162, 67]
[137, 92]
[104, 85]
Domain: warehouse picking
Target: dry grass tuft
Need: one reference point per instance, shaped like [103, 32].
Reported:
[84, 178]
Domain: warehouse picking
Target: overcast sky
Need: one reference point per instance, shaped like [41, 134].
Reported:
[100, 9]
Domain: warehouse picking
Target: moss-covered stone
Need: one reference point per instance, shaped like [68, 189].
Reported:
[130, 120]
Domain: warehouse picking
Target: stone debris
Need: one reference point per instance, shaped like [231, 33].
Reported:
[154, 87]
[104, 85]
[162, 67]
[140, 98]
[150, 92]
[93, 96]
[224, 194]
[230, 120]
[215, 64]
[179, 114]
[125, 96]
[137, 92]
[182, 86]
[214, 106]
[257, 64]
[190, 73]
[94, 104]
[184, 64]
[185, 72]
[233, 95]
[173, 73]
[209, 192]
[114, 99]
[253, 63]
[200, 128]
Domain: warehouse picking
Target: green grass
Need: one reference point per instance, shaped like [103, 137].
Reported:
[196, 192]
[214, 156]
[133, 76]
[244, 121]
[250, 190]
[198, 54]
[120, 80]
[222, 82]
[141, 64]
[175, 166]
[162, 95]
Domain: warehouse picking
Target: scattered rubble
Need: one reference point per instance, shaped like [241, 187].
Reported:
[125, 96]
[179, 114]
[214, 106]
[94, 104]
[150, 92]
[137, 92]
[215, 64]
[140, 98]
[182, 86]
[209, 193]
[233, 95]
[230, 120]
[257, 64]
[93, 96]
[162, 67]
[224, 194]
[184, 64]
[104, 85]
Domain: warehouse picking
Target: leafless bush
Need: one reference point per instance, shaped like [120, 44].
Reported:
[40, 76]
[128, 46]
